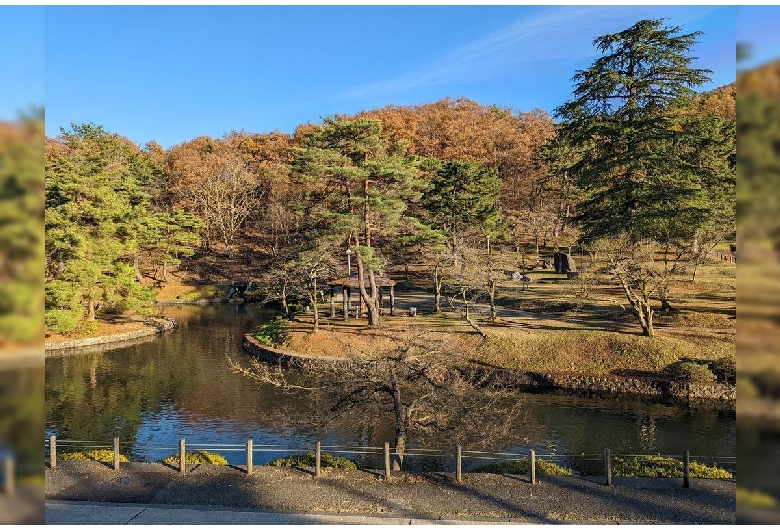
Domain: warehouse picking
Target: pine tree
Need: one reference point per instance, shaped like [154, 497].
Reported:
[359, 184]
[96, 204]
[632, 124]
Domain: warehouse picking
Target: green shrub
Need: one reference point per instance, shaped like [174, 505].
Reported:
[62, 320]
[97, 455]
[197, 457]
[659, 466]
[523, 467]
[272, 333]
[690, 372]
[725, 369]
[307, 460]
[754, 499]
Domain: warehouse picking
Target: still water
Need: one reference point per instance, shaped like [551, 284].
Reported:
[181, 385]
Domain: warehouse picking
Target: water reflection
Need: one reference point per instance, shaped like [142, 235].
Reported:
[21, 415]
[181, 386]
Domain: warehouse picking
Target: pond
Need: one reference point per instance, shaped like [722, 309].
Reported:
[181, 385]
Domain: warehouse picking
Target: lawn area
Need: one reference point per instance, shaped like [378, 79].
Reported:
[554, 325]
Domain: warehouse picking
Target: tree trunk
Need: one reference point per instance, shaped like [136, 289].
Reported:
[316, 313]
[91, 309]
[314, 308]
[285, 307]
[641, 307]
[467, 316]
[138, 276]
[401, 420]
[438, 279]
[371, 303]
[492, 294]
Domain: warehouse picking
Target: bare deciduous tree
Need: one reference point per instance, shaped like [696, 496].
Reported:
[415, 382]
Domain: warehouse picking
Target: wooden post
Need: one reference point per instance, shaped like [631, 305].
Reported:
[249, 456]
[387, 460]
[392, 300]
[317, 459]
[458, 457]
[116, 454]
[182, 457]
[533, 467]
[607, 467]
[10, 485]
[345, 301]
[686, 469]
[53, 452]
[332, 302]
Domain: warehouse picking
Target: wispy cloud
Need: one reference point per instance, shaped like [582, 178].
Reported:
[555, 34]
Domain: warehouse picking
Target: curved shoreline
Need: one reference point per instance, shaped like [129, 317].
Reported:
[153, 326]
[506, 378]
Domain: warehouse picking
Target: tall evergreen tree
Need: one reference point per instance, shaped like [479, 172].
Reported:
[632, 126]
[99, 219]
[463, 198]
[360, 183]
[21, 230]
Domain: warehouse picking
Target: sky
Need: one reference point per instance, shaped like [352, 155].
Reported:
[757, 27]
[21, 60]
[174, 73]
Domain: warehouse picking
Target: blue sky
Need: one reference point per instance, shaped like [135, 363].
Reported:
[21, 59]
[757, 26]
[171, 74]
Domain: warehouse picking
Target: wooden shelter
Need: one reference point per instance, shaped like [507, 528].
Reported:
[348, 283]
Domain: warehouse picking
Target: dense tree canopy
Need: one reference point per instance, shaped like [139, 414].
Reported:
[21, 230]
[637, 157]
[643, 155]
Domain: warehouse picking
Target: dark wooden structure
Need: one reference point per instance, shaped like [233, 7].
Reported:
[348, 283]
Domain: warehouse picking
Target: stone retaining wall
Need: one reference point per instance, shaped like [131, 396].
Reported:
[288, 359]
[154, 326]
[198, 301]
[605, 384]
[504, 378]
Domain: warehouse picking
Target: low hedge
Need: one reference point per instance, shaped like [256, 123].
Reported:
[664, 467]
[308, 460]
[196, 457]
[97, 455]
[523, 467]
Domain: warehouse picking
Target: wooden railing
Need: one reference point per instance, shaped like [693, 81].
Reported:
[602, 461]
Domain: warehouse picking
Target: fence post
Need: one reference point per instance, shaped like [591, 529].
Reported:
[533, 467]
[607, 467]
[458, 468]
[317, 458]
[182, 461]
[686, 469]
[10, 486]
[387, 460]
[116, 454]
[249, 450]
[53, 452]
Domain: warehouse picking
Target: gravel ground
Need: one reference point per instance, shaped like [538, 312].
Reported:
[25, 506]
[552, 500]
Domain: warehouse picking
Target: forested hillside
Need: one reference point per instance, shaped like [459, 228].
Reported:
[431, 184]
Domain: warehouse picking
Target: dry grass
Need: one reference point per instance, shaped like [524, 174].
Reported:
[559, 330]
[578, 351]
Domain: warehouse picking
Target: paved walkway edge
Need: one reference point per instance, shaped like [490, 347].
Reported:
[87, 512]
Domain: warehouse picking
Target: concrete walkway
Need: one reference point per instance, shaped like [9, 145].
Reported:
[107, 513]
